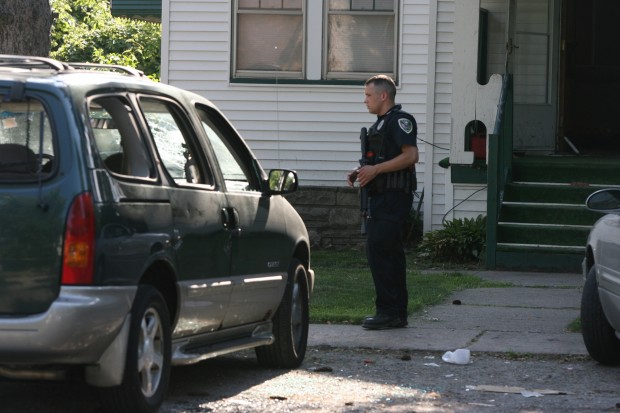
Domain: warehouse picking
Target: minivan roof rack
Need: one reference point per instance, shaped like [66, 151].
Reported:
[31, 62]
[107, 67]
[43, 63]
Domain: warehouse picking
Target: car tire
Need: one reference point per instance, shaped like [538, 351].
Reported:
[290, 323]
[147, 366]
[598, 335]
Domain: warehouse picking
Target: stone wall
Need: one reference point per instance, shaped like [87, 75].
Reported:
[332, 216]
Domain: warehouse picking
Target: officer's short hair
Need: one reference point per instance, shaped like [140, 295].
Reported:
[385, 83]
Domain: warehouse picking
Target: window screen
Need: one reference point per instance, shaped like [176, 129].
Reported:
[269, 37]
[361, 38]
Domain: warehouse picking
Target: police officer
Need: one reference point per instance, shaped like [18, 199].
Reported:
[390, 178]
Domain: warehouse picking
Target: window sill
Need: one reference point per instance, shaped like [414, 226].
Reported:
[274, 81]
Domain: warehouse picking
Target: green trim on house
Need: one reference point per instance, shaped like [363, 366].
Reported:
[469, 174]
[139, 9]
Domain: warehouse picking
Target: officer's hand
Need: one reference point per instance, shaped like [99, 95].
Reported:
[367, 174]
[351, 177]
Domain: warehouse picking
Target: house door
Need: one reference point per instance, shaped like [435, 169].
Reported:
[590, 63]
[532, 59]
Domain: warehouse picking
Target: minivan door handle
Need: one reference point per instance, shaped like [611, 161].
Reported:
[230, 219]
[225, 218]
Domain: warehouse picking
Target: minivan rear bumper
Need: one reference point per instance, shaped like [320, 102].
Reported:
[76, 329]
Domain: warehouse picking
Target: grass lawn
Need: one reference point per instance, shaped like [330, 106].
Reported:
[344, 292]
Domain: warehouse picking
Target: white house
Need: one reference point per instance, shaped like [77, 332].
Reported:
[289, 74]
[308, 115]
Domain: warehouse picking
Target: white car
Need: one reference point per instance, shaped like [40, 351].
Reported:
[600, 302]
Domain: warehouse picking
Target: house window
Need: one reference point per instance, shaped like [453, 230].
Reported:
[312, 40]
[269, 38]
[360, 38]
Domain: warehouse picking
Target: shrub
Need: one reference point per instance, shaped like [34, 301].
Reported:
[460, 241]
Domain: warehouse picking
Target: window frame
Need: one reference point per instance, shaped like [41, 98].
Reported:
[137, 129]
[315, 50]
[267, 74]
[190, 135]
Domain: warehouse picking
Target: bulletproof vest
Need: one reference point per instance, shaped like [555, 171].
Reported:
[383, 149]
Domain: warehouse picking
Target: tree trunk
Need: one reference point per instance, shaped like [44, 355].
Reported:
[25, 27]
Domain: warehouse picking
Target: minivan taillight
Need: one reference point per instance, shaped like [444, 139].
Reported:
[78, 250]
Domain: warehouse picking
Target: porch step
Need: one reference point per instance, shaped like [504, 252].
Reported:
[567, 169]
[563, 249]
[547, 213]
[539, 257]
[556, 236]
[550, 192]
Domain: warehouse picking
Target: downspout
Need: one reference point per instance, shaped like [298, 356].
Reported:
[165, 44]
[429, 152]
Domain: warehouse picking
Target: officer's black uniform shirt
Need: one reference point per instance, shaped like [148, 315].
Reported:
[399, 128]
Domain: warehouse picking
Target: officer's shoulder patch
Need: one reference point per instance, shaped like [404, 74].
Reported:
[406, 125]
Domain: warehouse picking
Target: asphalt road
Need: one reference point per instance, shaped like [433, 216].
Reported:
[360, 380]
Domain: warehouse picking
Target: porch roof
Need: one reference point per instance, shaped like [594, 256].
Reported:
[149, 10]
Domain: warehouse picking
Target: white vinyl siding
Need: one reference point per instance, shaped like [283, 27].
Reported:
[469, 201]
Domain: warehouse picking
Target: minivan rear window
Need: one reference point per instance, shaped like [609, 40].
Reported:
[118, 139]
[26, 141]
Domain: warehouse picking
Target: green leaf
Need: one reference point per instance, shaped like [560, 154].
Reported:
[86, 31]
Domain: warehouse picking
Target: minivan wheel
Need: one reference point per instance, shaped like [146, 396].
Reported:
[290, 323]
[147, 367]
[598, 335]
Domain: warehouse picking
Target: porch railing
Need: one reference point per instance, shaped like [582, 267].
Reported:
[499, 166]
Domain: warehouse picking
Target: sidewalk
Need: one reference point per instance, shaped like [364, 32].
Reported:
[530, 317]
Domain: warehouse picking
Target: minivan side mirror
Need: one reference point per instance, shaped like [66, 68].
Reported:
[606, 201]
[282, 181]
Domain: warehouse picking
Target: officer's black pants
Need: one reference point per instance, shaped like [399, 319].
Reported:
[385, 251]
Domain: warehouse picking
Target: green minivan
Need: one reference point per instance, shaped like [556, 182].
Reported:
[138, 232]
